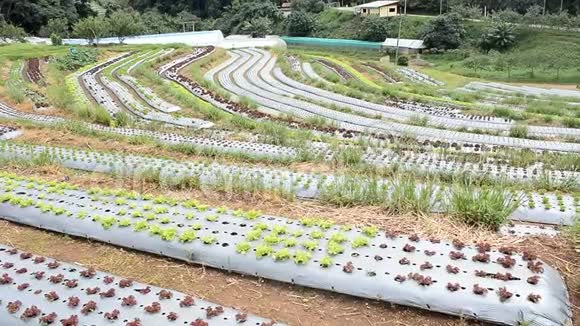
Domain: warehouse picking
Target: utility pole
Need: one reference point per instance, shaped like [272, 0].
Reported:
[440, 7]
[561, 5]
[399, 35]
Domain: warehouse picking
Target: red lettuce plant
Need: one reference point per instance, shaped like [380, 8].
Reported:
[483, 247]
[506, 261]
[504, 294]
[91, 291]
[108, 294]
[71, 284]
[408, 248]
[535, 298]
[186, 302]
[73, 302]
[5, 279]
[420, 279]
[533, 279]
[108, 279]
[536, 267]
[22, 271]
[479, 290]
[145, 290]
[348, 268]
[70, 321]
[48, 319]
[13, 307]
[458, 244]
[414, 238]
[172, 316]
[125, 283]
[113, 315]
[481, 257]
[129, 301]
[134, 322]
[433, 240]
[7, 265]
[429, 253]
[400, 278]
[453, 287]
[31, 312]
[507, 250]
[452, 269]
[39, 260]
[456, 255]
[211, 312]
[38, 275]
[56, 278]
[426, 265]
[241, 317]
[154, 308]
[25, 255]
[165, 295]
[503, 277]
[528, 255]
[23, 286]
[199, 322]
[89, 273]
[391, 234]
[51, 296]
[479, 273]
[55, 265]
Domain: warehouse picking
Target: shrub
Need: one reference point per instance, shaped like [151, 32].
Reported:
[519, 131]
[300, 23]
[55, 39]
[403, 61]
[444, 32]
[77, 58]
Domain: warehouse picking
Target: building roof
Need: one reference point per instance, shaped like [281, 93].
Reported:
[404, 43]
[377, 4]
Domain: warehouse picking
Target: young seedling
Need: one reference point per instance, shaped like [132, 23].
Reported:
[302, 257]
[243, 247]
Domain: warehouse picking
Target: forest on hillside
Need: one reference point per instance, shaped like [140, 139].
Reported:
[33, 15]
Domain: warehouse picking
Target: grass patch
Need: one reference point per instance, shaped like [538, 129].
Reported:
[484, 207]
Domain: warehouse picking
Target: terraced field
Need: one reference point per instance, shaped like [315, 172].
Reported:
[323, 174]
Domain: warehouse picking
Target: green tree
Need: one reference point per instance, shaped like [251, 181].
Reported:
[92, 29]
[500, 36]
[533, 15]
[258, 27]
[508, 15]
[11, 32]
[467, 11]
[506, 62]
[444, 32]
[374, 29]
[300, 23]
[154, 22]
[124, 23]
[33, 14]
[58, 26]
[239, 15]
[477, 62]
[313, 6]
